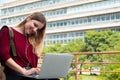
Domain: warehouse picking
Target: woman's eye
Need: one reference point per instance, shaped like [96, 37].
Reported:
[35, 25]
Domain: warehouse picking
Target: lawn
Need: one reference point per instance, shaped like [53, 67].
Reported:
[86, 77]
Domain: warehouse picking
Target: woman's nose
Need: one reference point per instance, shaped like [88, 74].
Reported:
[34, 29]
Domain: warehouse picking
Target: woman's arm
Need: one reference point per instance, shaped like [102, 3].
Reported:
[2, 75]
[14, 66]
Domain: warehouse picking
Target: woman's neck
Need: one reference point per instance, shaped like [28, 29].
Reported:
[20, 29]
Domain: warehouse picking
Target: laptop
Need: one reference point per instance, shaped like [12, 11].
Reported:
[54, 66]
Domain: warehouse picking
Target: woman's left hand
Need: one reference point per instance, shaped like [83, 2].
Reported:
[31, 71]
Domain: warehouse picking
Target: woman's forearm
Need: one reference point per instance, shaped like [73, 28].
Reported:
[14, 66]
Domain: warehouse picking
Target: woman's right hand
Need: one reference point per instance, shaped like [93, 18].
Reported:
[13, 65]
[31, 71]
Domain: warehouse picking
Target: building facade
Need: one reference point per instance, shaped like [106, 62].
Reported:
[67, 19]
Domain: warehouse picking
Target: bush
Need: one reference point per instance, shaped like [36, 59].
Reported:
[113, 76]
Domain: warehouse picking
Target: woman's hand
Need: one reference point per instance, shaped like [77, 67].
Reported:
[31, 71]
[14, 66]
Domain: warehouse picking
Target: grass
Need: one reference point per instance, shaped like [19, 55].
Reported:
[86, 77]
[90, 77]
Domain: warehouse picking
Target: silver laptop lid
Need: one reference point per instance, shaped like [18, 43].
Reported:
[55, 66]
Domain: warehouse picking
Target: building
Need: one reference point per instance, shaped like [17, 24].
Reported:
[67, 19]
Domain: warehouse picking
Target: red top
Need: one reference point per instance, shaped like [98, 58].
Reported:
[23, 49]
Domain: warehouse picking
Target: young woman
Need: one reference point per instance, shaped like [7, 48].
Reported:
[28, 40]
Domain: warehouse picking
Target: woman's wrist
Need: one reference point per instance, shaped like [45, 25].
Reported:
[24, 71]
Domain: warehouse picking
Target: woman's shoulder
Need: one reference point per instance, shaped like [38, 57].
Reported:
[4, 35]
[4, 28]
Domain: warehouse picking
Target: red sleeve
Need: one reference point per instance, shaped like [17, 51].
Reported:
[4, 45]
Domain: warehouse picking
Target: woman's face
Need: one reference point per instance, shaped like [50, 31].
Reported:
[32, 26]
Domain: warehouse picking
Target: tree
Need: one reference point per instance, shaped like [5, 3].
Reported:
[115, 67]
[57, 48]
[75, 46]
[101, 41]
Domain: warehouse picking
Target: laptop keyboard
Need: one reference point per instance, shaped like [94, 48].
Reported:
[34, 76]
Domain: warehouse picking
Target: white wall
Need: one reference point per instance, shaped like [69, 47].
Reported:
[5, 1]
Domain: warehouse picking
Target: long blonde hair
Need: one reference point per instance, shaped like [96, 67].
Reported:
[37, 39]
